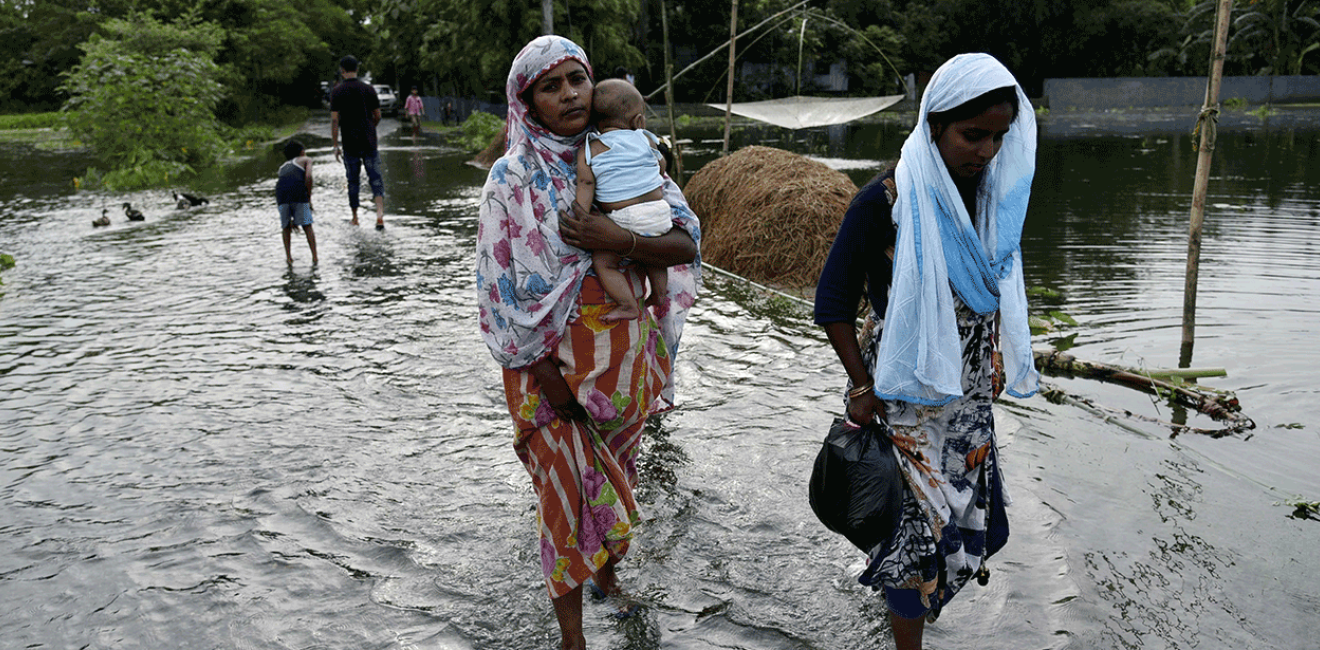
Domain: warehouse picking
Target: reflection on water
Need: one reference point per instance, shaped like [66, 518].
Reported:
[207, 446]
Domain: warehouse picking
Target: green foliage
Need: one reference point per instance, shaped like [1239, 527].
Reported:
[1045, 319]
[6, 263]
[1263, 112]
[277, 52]
[1266, 37]
[468, 45]
[1235, 103]
[1303, 509]
[873, 56]
[30, 121]
[143, 98]
[479, 129]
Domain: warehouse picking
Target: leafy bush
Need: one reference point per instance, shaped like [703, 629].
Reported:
[143, 98]
[1235, 103]
[29, 121]
[479, 129]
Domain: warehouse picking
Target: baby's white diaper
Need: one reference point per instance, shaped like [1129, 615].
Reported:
[649, 219]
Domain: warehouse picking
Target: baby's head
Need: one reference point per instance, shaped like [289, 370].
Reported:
[617, 104]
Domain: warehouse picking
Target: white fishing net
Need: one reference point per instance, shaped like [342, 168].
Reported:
[800, 112]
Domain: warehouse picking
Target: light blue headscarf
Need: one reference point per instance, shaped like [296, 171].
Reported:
[920, 356]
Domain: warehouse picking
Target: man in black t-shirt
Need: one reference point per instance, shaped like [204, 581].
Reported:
[355, 107]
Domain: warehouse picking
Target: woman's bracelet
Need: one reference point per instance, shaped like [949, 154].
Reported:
[634, 244]
[861, 390]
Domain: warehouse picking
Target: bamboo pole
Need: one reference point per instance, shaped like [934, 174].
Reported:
[675, 148]
[802, 36]
[733, 42]
[723, 45]
[1216, 404]
[1206, 125]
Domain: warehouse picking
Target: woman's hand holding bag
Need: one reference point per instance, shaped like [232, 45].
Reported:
[856, 486]
[866, 408]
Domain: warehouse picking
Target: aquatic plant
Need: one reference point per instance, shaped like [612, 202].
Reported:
[1263, 112]
[1303, 509]
[1043, 319]
[6, 263]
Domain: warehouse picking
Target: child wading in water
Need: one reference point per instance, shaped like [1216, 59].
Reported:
[293, 193]
[619, 169]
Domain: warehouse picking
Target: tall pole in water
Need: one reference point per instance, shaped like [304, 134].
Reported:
[676, 149]
[547, 16]
[1206, 126]
[733, 40]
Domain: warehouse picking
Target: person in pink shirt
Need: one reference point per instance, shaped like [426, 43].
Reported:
[413, 107]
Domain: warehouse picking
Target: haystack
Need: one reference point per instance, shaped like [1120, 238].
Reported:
[768, 214]
[492, 152]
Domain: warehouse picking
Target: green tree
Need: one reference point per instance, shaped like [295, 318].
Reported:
[1274, 36]
[276, 52]
[143, 98]
[467, 46]
[39, 41]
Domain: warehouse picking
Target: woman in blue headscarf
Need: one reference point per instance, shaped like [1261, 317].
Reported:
[934, 245]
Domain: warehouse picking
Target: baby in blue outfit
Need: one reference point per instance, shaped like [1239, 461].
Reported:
[619, 169]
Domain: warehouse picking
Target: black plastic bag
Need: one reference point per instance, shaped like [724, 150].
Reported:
[856, 487]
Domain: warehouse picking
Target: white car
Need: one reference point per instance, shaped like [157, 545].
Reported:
[389, 102]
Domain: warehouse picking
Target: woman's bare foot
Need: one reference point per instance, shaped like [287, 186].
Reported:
[608, 580]
[606, 587]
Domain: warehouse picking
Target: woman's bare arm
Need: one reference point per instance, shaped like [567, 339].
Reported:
[593, 230]
[843, 338]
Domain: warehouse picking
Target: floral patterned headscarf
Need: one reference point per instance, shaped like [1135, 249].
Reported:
[527, 277]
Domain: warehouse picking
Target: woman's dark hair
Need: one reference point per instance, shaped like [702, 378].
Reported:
[973, 107]
[293, 149]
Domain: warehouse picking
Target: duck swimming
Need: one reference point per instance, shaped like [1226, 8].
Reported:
[103, 221]
[183, 200]
[132, 214]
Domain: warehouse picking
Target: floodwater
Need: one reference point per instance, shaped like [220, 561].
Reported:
[204, 448]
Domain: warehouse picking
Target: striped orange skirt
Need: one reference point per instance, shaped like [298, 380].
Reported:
[584, 473]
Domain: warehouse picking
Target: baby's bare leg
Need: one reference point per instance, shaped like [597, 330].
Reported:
[616, 285]
[659, 279]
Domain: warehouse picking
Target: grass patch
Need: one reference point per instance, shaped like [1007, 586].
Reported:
[278, 127]
[30, 121]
